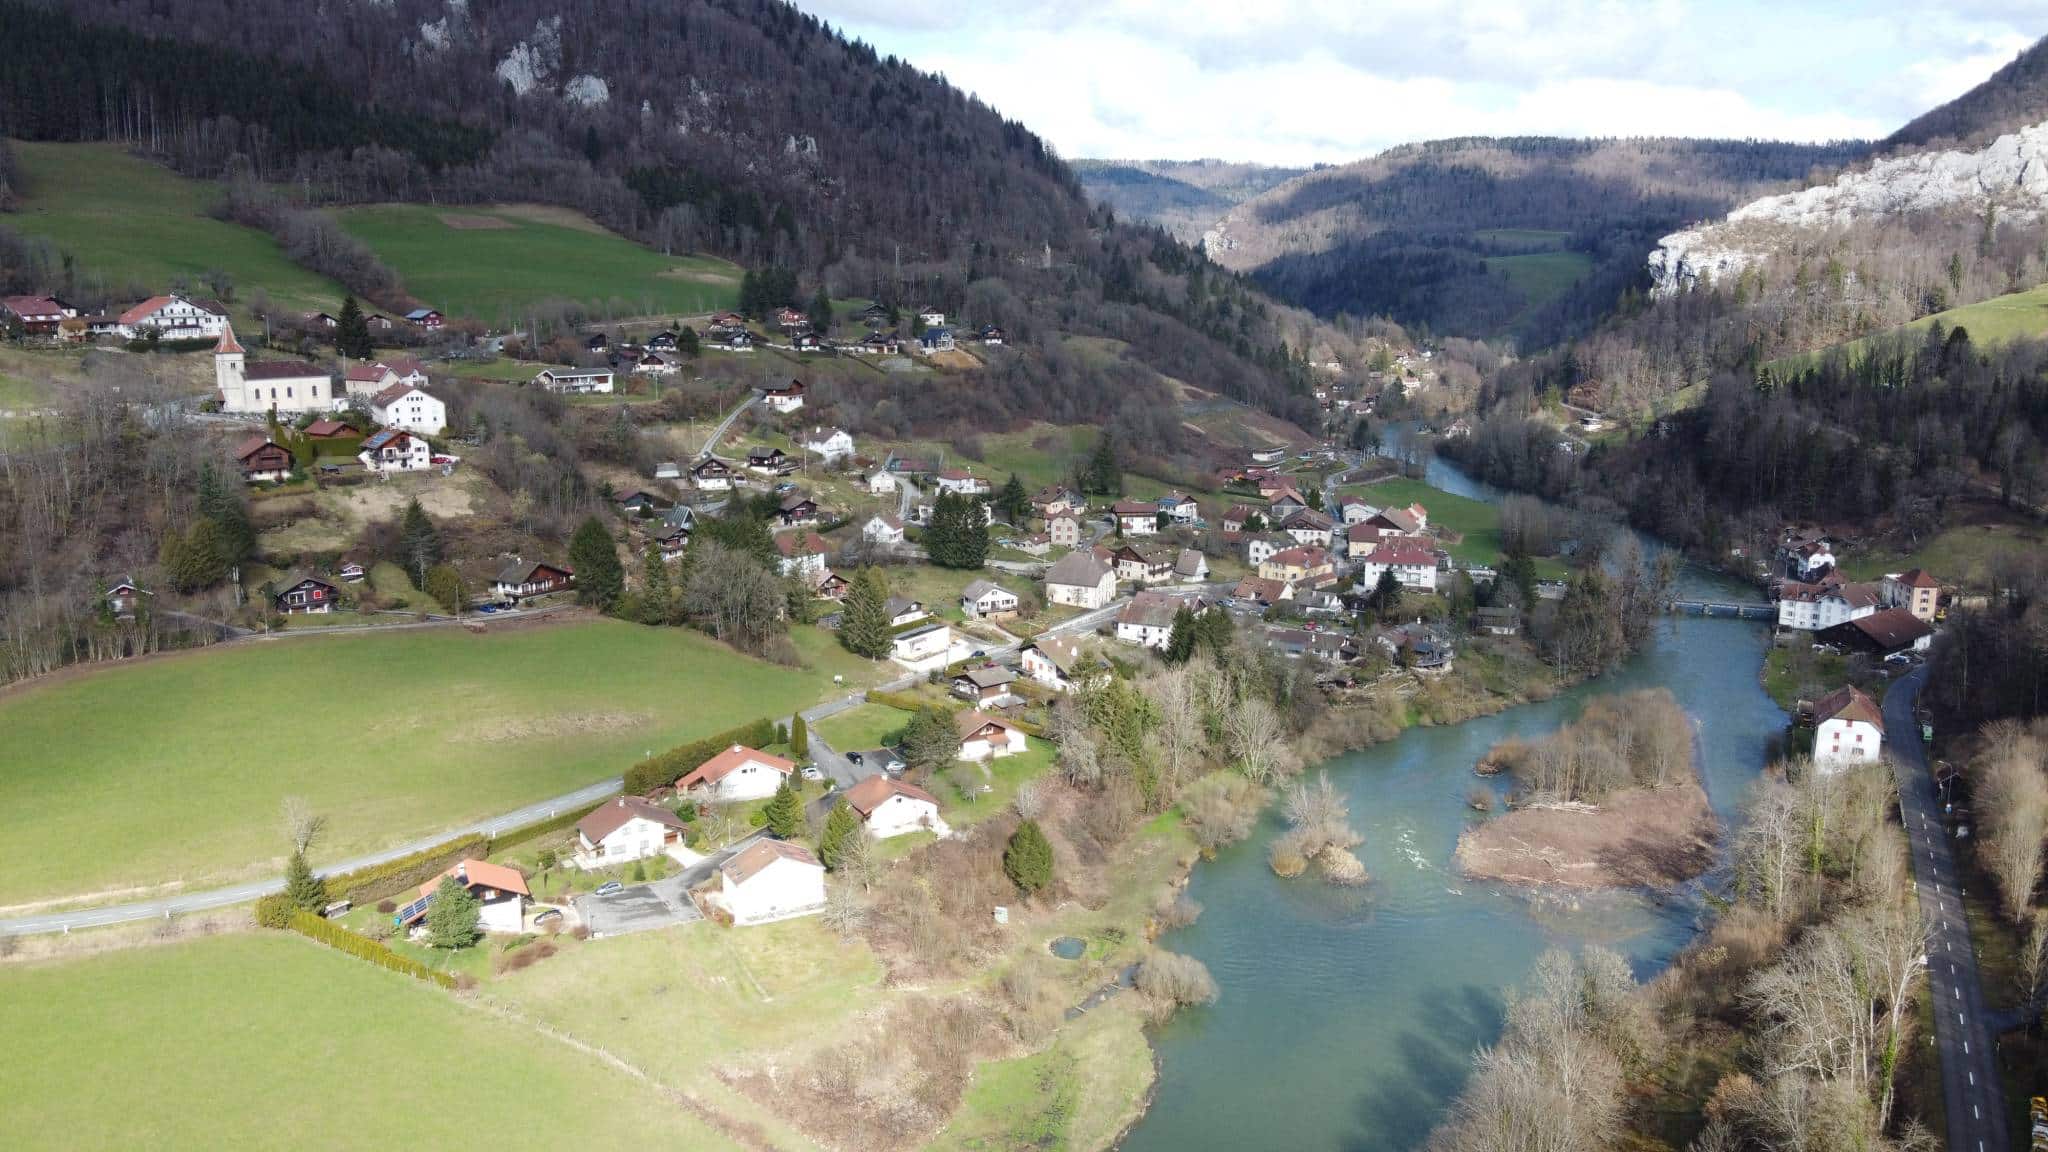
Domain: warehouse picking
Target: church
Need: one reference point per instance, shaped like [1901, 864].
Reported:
[287, 386]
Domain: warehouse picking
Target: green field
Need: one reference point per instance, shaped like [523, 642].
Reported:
[277, 1042]
[175, 769]
[1541, 276]
[131, 221]
[510, 258]
[861, 728]
[1992, 321]
[1959, 555]
[1523, 237]
[1476, 521]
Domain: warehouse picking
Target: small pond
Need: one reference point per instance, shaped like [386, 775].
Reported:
[1068, 947]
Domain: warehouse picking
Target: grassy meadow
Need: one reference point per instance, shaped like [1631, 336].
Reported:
[1541, 276]
[270, 1041]
[492, 263]
[131, 221]
[174, 769]
[1961, 555]
[1476, 521]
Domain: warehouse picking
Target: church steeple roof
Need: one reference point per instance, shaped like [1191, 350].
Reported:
[227, 345]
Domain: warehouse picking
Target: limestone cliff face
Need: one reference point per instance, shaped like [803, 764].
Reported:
[2009, 175]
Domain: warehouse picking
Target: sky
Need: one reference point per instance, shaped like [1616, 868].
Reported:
[1326, 81]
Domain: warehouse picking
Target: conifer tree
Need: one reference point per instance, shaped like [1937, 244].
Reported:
[600, 579]
[799, 737]
[1027, 860]
[840, 827]
[864, 621]
[785, 813]
[419, 543]
[352, 331]
[452, 915]
[1104, 475]
[301, 887]
[444, 585]
[656, 590]
[820, 311]
[1013, 503]
[1180, 644]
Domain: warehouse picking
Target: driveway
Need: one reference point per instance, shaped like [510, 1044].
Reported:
[638, 908]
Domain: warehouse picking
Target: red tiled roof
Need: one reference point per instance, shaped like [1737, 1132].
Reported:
[31, 305]
[142, 311]
[801, 544]
[249, 447]
[1400, 552]
[228, 345]
[481, 874]
[1917, 578]
[722, 765]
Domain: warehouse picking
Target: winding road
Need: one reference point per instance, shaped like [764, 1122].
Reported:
[1971, 1089]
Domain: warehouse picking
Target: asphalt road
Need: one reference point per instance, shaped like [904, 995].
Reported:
[1970, 1086]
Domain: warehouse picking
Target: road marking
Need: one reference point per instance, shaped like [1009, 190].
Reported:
[1959, 1017]
[1974, 1111]
[1966, 1047]
[1973, 1079]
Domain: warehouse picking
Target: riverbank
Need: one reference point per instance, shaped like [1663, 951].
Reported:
[1635, 838]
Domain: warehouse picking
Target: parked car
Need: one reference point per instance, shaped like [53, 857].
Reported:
[609, 887]
[810, 772]
[547, 915]
[853, 758]
[976, 654]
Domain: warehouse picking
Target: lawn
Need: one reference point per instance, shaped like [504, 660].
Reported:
[134, 222]
[1541, 276]
[858, 729]
[1959, 555]
[1523, 237]
[1476, 521]
[1004, 774]
[1795, 673]
[1079, 1092]
[276, 1042]
[184, 761]
[493, 263]
[16, 392]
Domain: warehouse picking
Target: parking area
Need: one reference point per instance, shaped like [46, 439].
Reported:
[640, 908]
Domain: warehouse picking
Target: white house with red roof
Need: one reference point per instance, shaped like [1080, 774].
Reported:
[172, 318]
[1136, 517]
[288, 387]
[367, 378]
[626, 828]
[1813, 607]
[802, 552]
[396, 450]
[1411, 560]
[410, 407]
[499, 890]
[1848, 728]
[1914, 590]
[785, 399]
[882, 528]
[889, 807]
[737, 773]
[770, 880]
[961, 482]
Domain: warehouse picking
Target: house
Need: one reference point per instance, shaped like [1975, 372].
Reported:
[1412, 562]
[524, 579]
[172, 318]
[1080, 580]
[922, 645]
[988, 600]
[1806, 558]
[873, 314]
[1848, 728]
[805, 342]
[427, 318]
[797, 510]
[597, 343]
[123, 600]
[802, 551]
[1052, 500]
[791, 320]
[1064, 530]
[351, 570]
[1309, 526]
[407, 370]
[1496, 621]
[831, 443]
[1352, 510]
[936, 340]
[283, 386]
[627, 828]
[409, 407]
[985, 737]
[575, 381]
[1298, 564]
[726, 323]
[367, 379]
[980, 686]
[737, 342]
[877, 344]
[882, 528]
[889, 807]
[1059, 663]
[1816, 607]
[771, 880]
[326, 429]
[1143, 563]
[1915, 591]
[902, 610]
[299, 593]
[1359, 539]
[1295, 643]
[654, 363]
[785, 399]
[881, 482]
[711, 475]
[664, 341]
[1147, 620]
[37, 315]
[1263, 592]
[1236, 518]
[736, 773]
[1396, 521]
[1283, 503]
[500, 891]
[1180, 509]
[931, 317]
[1191, 567]
[673, 543]
[396, 450]
[1269, 455]
[991, 336]
[1260, 548]
[262, 459]
[962, 483]
[1881, 633]
[1135, 517]
[640, 502]
[827, 585]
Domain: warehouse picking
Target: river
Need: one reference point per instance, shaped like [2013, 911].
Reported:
[1348, 1017]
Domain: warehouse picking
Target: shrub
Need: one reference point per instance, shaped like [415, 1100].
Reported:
[387, 907]
[1172, 978]
[1287, 856]
[407, 872]
[362, 947]
[901, 701]
[275, 910]
[663, 768]
[1175, 910]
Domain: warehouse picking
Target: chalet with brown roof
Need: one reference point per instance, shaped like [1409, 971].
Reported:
[524, 579]
[890, 807]
[262, 460]
[299, 593]
[770, 880]
[626, 828]
[985, 737]
[737, 773]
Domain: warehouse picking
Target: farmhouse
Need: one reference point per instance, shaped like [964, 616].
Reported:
[575, 381]
[1144, 563]
[889, 807]
[988, 600]
[1398, 521]
[37, 315]
[1848, 728]
[262, 459]
[298, 593]
[628, 828]
[882, 528]
[172, 318]
[523, 579]
[1080, 580]
[737, 773]
[1064, 530]
[500, 890]
[1136, 518]
[711, 475]
[831, 443]
[785, 399]
[803, 552]
[285, 386]
[985, 737]
[771, 880]
[1192, 567]
[395, 450]
[1881, 633]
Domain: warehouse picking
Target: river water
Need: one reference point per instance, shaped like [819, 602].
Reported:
[1348, 1017]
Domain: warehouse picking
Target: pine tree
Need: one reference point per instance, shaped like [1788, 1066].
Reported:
[820, 311]
[1386, 595]
[929, 740]
[1105, 475]
[1013, 502]
[864, 621]
[419, 543]
[1027, 860]
[841, 826]
[600, 579]
[1180, 644]
[444, 585]
[799, 737]
[352, 331]
[971, 547]
[687, 342]
[301, 887]
[452, 915]
[1213, 633]
[656, 590]
[785, 813]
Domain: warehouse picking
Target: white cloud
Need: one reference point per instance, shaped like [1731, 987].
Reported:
[1295, 81]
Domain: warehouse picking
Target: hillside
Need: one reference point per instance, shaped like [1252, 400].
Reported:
[2014, 96]
[1415, 233]
[1185, 197]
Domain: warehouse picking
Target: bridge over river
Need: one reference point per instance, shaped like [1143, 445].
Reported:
[1741, 609]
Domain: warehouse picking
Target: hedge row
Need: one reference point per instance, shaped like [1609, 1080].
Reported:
[902, 701]
[513, 837]
[363, 948]
[664, 768]
[368, 885]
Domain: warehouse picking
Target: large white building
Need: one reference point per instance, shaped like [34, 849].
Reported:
[410, 407]
[172, 318]
[771, 880]
[738, 773]
[1812, 607]
[889, 807]
[1848, 728]
[1147, 620]
[1413, 564]
[628, 828]
[1080, 580]
[288, 387]
[396, 450]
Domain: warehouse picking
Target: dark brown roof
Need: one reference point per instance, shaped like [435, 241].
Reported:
[253, 445]
[1892, 629]
[282, 370]
[1846, 703]
[620, 812]
[876, 790]
[760, 854]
